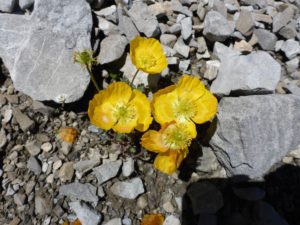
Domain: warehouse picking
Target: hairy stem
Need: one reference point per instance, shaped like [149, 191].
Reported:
[136, 73]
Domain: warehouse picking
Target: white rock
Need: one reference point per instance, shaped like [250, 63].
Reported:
[107, 171]
[66, 172]
[182, 48]
[84, 166]
[56, 165]
[168, 39]
[129, 189]
[46, 147]
[212, 68]
[126, 25]
[7, 5]
[184, 65]
[186, 28]
[171, 220]
[291, 48]
[116, 221]
[107, 11]
[86, 214]
[7, 115]
[107, 27]
[117, 43]
[173, 60]
[128, 167]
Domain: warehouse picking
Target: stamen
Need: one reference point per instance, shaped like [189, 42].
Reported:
[184, 109]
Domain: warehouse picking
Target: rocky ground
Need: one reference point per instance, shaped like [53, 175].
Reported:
[243, 168]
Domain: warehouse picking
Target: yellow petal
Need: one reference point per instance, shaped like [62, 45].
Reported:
[190, 127]
[153, 219]
[206, 108]
[119, 92]
[190, 87]
[151, 140]
[142, 109]
[125, 126]
[162, 107]
[168, 162]
[103, 116]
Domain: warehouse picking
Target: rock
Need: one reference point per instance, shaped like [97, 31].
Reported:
[86, 192]
[173, 60]
[23, 120]
[266, 39]
[282, 18]
[126, 25]
[129, 189]
[107, 171]
[7, 116]
[84, 166]
[186, 28]
[128, 167]
[33, 147]
[168, 39]
[56, 165]
[216, 27]
[291, 48]
[245, 23]
[266, 214]
[43, 49]
[175, 29]
[107, 11]
[201, 45]
[34, 165]
[19, 199]
[249, 193]
[182, 48]
[42, 108]
[85, 213]
[15, 221]
[205, 198]
[293, 65]
[116, 42]
[25, 4]
[262, 18]
[208, 161]
[66, 172]
[157, 9]
[289, 31]
[184, 65]
[42, 205]
[46, 147]
[222, 52]
[256, 72]
[107, 27]
[171, 220]
[243, 46]
[29, 186]
[263, 129]
[7, 5]
[212, 68]
[168, 207]
[116, 221]
[144, 21]
[293, 89]
[100, 192]
[260, 3]
[3, 138]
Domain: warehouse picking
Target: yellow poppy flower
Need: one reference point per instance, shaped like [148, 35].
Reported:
[147, 55]
[171, 143]
[120, 108]
[153, 219]
[187, 102]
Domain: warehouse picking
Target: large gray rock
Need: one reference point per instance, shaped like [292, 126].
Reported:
[216, 27]
[282, 18]
[143, 19]
[245, 23]
[38, 50]
[107, 171]
[129, 189]
[254, 132]
[291, 48]
[266, 39]
[85, 213]
[255, 72]
[7, 5]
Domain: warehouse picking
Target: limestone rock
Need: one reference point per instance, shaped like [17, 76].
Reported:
[266, 39]
[129, 189]
[7, 5]
[245, 23]
[85, 213]
[107, 171]
[282, 18]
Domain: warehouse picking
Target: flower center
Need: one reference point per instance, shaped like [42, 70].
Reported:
[123, 112]
[184, 109]
[147, 61]
[176, 137]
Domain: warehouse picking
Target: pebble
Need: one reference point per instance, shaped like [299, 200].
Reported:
[29, 186]
[142, 202]
[56, 165]
[266, 39]
[181, 47]
[128, 167]
[33, 147]
[7, 116]
[65, 148]
[46, 147]
[168, 39]
[186, 28]
[85, 213]
[171, 220]
[291, 48]
[282, 18]
[168, 207]
[34, 165]
[245, 23]
[212, 68]
[3, 138]
[66, 172]
[107, 171]
[243, 46]
[41, 205]
[100, 192]
[23, 120]
[115, 221]
[129, 189]
[184, 65]
[19, 199]
[84, 166]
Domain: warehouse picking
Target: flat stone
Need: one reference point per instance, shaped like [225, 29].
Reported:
[126, 25]
[293, 64]
[184, 65]
[129, 189]
[3, 138]
[42, 205]
[216, 27]
[282, 18]
[262, 18]
[289, 31]
[256, 72]
[143, 19]
[291, 48]
[107, 171]
[107, 27]
[19, 199]
[115, 221]
[243, 46]
[86, 192]
[116, 42]
[46, 147]
[106, 11]
[212, 68]
[7, 5]
[266, 39]
[171, 220]
[23, 120]
[186, 28]
[221, 51]
[182, 48]
[177, 7]
[263, 129]
[33, 147]
[25, 4]
[34, 165]
[168, 39]
[158, 9]
[85, 213]
[208, 161]
[201, 45]
[245, 23]
[84, 166]
[66, 172]
[128, 167]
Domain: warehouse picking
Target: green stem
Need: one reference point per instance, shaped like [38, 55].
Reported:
[136, 73]
[92, 77]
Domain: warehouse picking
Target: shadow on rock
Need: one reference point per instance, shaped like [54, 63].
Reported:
[239, 201]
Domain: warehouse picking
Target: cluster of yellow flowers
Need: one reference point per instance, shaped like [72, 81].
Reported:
[176, 108]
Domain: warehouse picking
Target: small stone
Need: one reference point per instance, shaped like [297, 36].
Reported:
[15, 221]
[23, 120]
[201, 11]
[266, 39]
[46, 147]
[7, 5]
[245, 23]
[128, 167]
[126, 25]
[84, 166]
[287, 160]
[184, 65]
[34, 165]
[201, 44]
[126, 221]
[176, 6]
[7, 116]
[186, 28]
[171, 220]
[208, 162]
[3, 138]
[278, 45]
[100, 192]
[107, 171]
[85, 213]
[66, 172]
[289, 31]
[142, 202]
[282, 18]
[86, 192]
[2, 100]
[106, 11]
[212, 68]
[116, 42]
[129, 189]
[182, 48]
[107, 27]
[65, 148]
[29, 186]
[56, 165]
[157, 9]
[116, 221]
[175, 29]
[19, 199]
[243, 46]
[45, 167]
[40, 107]
[42, 205]
[173, 60]
[216, 27]
[50, 179]
[295, 153]
[168, 207]
[143, 19]
[25, 4]
[291, 48]
[168, 39]
[292, 88]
